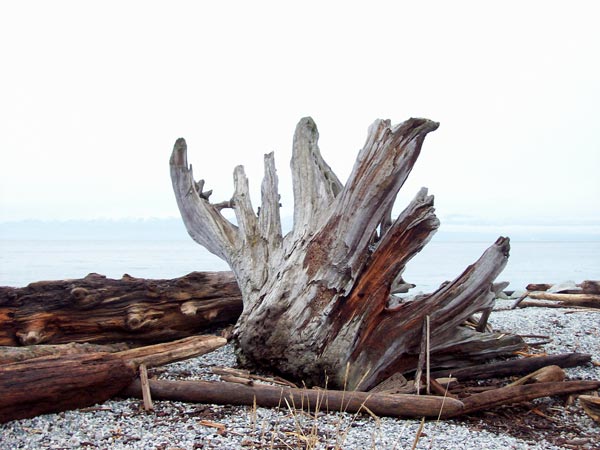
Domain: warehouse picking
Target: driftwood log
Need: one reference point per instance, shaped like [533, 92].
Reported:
[318, 300]
[396, 405]
[222, 392]
[97, 309]
[61, 382]
[589, 300]
[582, 295]
[585, 287]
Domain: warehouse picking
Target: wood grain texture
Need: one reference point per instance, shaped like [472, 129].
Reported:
[316, 300]
[58, 383]
[97, 309]
[67, 381]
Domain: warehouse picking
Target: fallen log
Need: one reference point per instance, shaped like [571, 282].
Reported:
[589, 300]
[319, 400]
[514, 366]
[585, 287]
[61, 382]
[547, 304]
[103, 310]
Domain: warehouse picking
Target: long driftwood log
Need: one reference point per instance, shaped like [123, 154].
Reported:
[226, 393]
[61, 382]
[589, 300]
[318, 300]
[567, 295]
[97, 309]
[395, 405]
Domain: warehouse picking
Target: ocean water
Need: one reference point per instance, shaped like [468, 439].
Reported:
[25, 261]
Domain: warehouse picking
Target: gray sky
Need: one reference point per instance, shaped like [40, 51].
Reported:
[94, 94]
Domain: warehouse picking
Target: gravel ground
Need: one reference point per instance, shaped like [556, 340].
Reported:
[123, 424]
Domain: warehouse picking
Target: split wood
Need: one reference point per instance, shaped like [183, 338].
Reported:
[146, 397]
[102, 310]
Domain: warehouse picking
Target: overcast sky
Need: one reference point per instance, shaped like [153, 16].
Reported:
[94, 94]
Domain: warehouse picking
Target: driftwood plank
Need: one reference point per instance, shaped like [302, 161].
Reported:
[585, 287]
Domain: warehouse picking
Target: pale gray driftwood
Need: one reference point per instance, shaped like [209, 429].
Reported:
[316, 300]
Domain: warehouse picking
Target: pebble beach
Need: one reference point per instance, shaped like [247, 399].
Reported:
[124, 424]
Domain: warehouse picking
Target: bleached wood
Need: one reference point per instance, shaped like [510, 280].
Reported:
[317, 299]
[315, 184]
[592, 300]
[216, 234]
[269, 219]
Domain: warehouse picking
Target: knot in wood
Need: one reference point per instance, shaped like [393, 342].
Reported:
[79, 293]
[31, 337]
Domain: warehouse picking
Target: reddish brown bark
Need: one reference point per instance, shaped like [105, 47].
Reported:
[103, 310]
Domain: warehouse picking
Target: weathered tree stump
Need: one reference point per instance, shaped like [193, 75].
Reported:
[97, 309]
[316, 301]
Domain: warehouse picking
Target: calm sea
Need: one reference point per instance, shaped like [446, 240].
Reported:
[22, 261]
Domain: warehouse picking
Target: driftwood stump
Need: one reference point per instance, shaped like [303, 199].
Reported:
[317, 300]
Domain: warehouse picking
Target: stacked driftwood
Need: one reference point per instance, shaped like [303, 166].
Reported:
[563, 295]
[102, 319]
[74, 343]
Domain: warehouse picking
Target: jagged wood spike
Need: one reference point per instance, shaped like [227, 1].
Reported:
[216, 234]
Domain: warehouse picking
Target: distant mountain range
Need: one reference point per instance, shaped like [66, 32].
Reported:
[173, 229]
